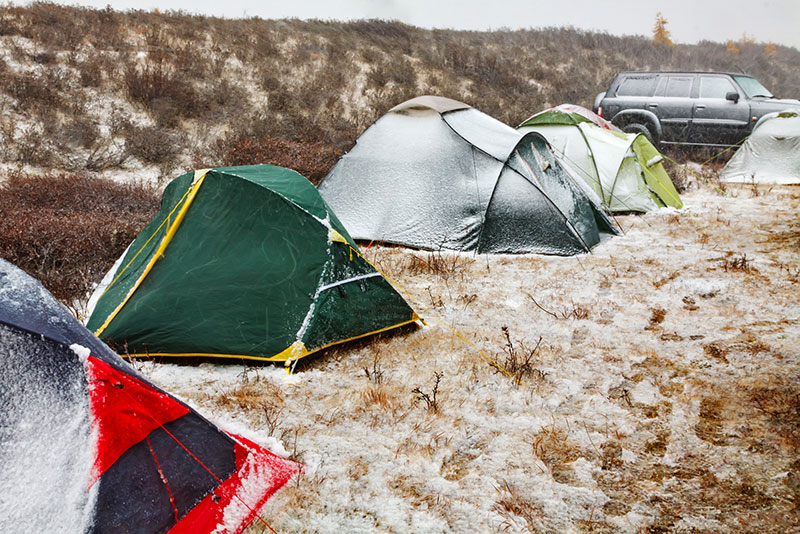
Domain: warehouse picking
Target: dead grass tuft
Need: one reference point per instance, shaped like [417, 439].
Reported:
[430, 400]
[375, 373]
[511, 505]
[520, 361]
[575, 312]
[716, 350]
[377, 396]
[445, 264]
[738, 263]
[780, 402]
[555, 450]
[657, 316]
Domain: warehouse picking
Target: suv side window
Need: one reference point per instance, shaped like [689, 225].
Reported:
[715, 87]
[637, 86]
[679, 86]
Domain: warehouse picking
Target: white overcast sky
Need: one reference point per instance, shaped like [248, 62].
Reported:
[689, 20]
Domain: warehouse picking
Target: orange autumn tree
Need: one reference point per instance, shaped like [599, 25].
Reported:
[661, 34]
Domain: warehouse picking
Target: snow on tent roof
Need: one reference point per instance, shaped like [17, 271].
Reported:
[89, 445]
[436, 103]
[625, 170]
[771, 155]
[568, 114]
[435, 173]
[246, 262]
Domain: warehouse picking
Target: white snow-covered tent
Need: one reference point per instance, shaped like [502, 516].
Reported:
[771, 155]
[436, 173]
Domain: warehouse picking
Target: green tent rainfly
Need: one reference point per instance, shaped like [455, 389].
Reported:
[243, 262]
[624, 169]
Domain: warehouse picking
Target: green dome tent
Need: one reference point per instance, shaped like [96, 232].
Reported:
[243, 262]
[624, 169]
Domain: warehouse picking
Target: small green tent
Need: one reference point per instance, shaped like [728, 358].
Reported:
[243, 262]
[624, 169]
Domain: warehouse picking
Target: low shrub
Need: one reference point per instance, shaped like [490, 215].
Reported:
[67, 230]
[153, 144]
[166, 95]
[311, 159]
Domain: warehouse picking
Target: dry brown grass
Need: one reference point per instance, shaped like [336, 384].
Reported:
[519, 361]
[554, 449]
[512, 507]
[688, 425]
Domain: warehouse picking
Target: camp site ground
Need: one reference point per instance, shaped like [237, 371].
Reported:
[649, 385]
[656, 387]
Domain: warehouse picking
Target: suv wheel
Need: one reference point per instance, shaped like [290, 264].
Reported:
[641, 129]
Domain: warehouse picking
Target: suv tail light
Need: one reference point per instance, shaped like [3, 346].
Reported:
[600, 111]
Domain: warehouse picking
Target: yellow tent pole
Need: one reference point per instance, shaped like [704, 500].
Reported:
[199, 176]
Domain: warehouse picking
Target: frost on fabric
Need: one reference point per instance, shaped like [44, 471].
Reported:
[404, 182]
[46, 450]
[257, 475]
[298, 344]
[481, 130]
[771, 155]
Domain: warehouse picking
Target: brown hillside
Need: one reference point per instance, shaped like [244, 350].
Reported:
[149, 93]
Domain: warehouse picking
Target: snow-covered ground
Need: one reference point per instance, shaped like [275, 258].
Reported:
[661, 391]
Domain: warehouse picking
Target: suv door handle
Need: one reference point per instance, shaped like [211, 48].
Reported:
[700, 106]
[652, 105]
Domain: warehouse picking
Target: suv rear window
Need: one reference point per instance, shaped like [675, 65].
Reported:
[680, 86]
[637, 86]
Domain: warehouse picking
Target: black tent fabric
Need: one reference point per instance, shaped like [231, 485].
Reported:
[87, 444]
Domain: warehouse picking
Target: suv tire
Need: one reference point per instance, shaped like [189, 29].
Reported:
[635, 128]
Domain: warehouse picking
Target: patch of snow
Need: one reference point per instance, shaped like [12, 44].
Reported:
[584, 471]
[82, 352]
[629, 456]
[704, 287]
[645, 393]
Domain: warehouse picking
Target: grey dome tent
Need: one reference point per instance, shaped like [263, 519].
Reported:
[771, 155]
[434, 173]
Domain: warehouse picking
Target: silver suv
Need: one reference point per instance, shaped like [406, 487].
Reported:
[688, 108]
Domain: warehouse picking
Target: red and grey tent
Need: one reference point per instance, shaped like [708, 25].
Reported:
[87, 444]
